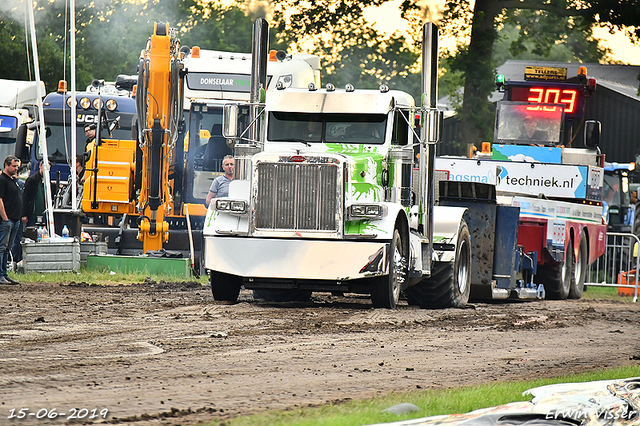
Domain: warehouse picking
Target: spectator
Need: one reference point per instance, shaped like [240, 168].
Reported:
[220, 185]
[10, 207]
[90, 133]
[33, 206]
[16, 250]
[66, 194]
[80, 166]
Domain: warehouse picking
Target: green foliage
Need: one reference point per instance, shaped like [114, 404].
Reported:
[541, 35]
[563, 27]
[351, 51]
[110, 35]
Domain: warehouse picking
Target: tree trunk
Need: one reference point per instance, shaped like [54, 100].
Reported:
[476, 119]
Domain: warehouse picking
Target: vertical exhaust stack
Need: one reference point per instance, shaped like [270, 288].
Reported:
[258, 87]
[429, 131]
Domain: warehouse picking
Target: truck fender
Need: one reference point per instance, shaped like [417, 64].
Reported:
[383, 228]
[446, 224]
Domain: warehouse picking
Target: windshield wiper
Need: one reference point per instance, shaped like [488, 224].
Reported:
[293, 140]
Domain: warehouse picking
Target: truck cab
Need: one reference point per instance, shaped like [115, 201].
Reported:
[214, 78]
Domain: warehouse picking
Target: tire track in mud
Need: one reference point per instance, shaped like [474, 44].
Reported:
[167, 349]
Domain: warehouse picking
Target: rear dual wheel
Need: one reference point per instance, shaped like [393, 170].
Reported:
[566, 279]
[580, 269]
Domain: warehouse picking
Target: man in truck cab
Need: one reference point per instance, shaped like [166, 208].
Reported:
[220, 185]
[90, 133]
[531, 131]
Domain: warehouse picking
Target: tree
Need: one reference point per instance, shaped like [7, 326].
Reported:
[351, 51]
[475, 59]
[110, 35]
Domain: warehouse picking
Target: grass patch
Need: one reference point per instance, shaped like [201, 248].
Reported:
[605, 293]
[431, 402]
[91, 276]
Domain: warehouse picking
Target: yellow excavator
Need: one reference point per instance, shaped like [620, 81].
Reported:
[142, 178]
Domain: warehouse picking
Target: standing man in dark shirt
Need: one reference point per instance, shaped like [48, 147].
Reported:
[33, 200]
[10, 209]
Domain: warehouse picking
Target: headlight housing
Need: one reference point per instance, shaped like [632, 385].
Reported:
[366, 211]
[85, 103]
[97, 103]
[231, 206]
[111, 104]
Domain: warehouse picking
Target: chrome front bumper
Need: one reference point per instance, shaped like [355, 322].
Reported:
[295, 259]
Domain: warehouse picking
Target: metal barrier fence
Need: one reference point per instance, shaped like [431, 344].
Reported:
[617, 266]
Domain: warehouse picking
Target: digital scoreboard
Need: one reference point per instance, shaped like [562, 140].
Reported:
[569, 95]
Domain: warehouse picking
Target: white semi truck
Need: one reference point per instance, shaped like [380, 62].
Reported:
[324, 199]
[18, 106]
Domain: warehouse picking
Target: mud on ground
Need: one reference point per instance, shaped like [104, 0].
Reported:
[167, 353]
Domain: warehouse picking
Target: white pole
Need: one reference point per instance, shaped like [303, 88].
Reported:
[43, 136]
[72, 163]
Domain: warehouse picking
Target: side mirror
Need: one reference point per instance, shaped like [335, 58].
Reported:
[230, 121]
[22, 149]
[592, 130]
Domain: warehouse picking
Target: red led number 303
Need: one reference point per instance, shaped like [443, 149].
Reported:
[554, 96]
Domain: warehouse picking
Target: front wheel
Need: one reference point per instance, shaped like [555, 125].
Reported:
[386, 289]
[225, 287]
[450, 282]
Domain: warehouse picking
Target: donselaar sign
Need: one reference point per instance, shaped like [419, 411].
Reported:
[220, 82]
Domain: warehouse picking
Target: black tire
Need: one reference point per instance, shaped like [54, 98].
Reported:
[225, 287]
[558, 277]
[580, 267]
[386, 290]
[450, 282]
[636, 218]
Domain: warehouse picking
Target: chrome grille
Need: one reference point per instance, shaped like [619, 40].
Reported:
[296, 196]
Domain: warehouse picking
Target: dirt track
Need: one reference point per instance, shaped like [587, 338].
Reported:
[167, 349]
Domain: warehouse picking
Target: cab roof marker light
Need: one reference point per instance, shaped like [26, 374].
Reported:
[384, 88]
[330, 87]
[349, 87]
[312, 87]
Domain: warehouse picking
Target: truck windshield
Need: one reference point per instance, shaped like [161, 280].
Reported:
[206, 149]
[524, 123]
[328, 128]
[59, 141]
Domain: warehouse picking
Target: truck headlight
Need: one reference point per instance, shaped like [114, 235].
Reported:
[233, 206]
[369, 211]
